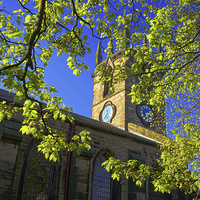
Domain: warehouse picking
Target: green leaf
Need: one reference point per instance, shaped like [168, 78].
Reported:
[76, 72]
[14, 34]
[27, 18]
[71, 119]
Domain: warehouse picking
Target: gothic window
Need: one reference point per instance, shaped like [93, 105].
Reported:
[103, 187]
[133, 189]
[108, 84]
[38, 179]
[101, 181]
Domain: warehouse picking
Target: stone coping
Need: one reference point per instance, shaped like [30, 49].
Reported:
[147, 133]
[115, 130]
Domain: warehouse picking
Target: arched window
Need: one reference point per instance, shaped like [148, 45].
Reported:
[40, 177]
[103, 186]
[108, 84]
[101, 181]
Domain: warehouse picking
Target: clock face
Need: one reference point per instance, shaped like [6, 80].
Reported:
[107, 113]
[146, 113]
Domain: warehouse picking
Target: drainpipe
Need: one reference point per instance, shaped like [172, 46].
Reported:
[72, 127]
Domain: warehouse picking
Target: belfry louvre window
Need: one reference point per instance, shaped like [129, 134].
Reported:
[101, 181]
[108, 84]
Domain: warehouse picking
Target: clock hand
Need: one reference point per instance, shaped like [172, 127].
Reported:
[105, 113]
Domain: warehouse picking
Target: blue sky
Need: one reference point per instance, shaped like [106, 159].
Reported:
[77, 91]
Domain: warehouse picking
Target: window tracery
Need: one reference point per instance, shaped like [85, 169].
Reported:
[101, 181]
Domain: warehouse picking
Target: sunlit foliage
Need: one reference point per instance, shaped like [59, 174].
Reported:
[32, 33]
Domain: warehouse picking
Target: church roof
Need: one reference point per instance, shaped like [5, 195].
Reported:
[105, 127]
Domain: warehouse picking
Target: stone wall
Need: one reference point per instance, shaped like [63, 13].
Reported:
[116, 145]
[10, 139]
[107, 140]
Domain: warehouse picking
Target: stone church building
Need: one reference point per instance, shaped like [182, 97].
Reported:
[118, 128]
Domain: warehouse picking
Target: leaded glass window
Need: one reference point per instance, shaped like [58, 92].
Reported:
[36, 177]
[40, 177]
[101, 181]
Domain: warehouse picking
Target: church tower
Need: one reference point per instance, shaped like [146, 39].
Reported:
[116, 108]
